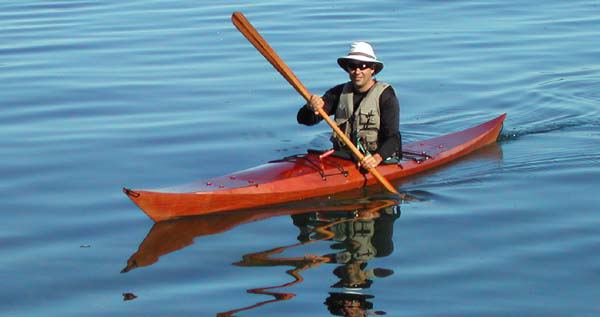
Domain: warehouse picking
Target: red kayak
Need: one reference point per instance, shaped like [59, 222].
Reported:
[305, 176]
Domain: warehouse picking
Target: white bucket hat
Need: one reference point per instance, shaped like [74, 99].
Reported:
[363, 52]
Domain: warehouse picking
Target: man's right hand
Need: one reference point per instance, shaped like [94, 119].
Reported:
[315, 103]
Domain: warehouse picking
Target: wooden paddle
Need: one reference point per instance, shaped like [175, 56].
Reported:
[244, 26]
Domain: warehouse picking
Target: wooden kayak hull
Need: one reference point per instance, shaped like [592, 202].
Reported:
[304, 176]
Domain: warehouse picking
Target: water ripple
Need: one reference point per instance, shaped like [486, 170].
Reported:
[97, 95]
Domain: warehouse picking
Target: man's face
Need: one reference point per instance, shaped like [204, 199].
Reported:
[360, 73]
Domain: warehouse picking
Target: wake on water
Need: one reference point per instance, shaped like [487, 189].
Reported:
[540, 128]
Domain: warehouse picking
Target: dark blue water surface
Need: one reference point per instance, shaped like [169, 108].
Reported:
[97, 95]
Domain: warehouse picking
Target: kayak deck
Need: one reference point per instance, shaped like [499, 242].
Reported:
[304, 176]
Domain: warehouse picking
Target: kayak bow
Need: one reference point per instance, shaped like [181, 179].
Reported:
[304, 176]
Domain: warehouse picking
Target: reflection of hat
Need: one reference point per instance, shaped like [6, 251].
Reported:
[339, 303]
[362, 52]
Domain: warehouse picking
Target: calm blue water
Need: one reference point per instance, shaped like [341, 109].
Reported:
[97, 95]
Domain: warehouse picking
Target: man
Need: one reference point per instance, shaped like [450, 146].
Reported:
[365, 109]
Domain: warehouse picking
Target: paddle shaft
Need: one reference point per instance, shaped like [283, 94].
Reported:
[246, 28]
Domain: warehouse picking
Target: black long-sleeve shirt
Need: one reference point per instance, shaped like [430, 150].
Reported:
[389, 138]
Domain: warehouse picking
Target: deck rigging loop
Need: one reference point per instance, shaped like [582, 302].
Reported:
[320, 168]
[417, 157]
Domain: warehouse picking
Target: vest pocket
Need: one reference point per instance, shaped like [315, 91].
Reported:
[369, 139]
[366, 120]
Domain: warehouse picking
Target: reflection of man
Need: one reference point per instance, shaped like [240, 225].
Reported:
[358, 239]
[358, 245]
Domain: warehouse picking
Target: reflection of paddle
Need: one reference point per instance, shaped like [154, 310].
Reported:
[244, 26]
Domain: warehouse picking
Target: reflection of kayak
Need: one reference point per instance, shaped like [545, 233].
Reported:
[169, 236]
[304, 176]
[321, 214]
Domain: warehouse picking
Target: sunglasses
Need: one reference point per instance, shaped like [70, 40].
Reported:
[361, 66]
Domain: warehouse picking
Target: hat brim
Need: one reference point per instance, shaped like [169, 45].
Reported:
[344, 60]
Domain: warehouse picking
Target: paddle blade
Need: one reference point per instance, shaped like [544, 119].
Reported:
[252, 35]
